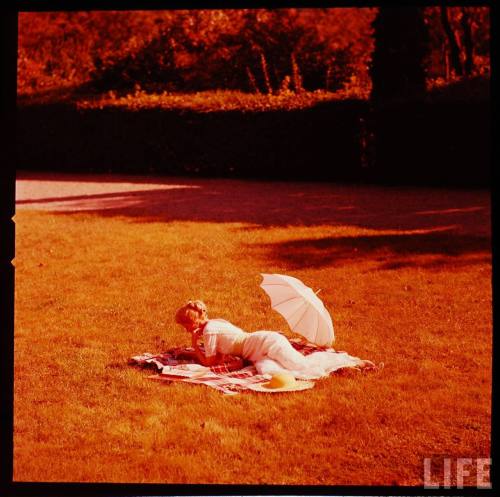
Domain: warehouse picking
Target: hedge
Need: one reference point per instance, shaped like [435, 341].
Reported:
[418, 142]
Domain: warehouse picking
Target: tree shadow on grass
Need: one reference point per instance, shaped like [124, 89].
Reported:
[427, 227]
[389, 251]
[260, 204]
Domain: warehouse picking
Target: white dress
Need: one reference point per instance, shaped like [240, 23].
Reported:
[271, 352]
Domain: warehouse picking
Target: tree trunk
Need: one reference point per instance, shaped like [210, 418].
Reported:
[467, 41]
[401, 45]
[265, 73]
[452, 42]
[446, 57]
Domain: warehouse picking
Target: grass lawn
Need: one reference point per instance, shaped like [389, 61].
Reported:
[102, 265]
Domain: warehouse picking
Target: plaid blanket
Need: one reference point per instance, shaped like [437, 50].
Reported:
[230, 383]
[173, 360]
[231, 377]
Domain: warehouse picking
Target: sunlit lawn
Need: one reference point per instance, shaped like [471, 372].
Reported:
[406, 274]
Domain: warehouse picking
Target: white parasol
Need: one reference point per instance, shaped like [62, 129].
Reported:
[300, 306]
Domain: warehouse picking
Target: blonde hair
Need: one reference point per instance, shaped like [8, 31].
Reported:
[193, 311]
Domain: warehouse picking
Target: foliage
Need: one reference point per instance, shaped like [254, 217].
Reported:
[437, 62]
[60, 49]
[196, 50]
[256, 136]
[220, 100]
[442, 139]
[268, 51]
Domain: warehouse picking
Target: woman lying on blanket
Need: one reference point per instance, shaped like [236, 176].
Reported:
[270, 351]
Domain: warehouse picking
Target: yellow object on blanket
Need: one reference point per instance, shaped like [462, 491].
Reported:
[281, 382]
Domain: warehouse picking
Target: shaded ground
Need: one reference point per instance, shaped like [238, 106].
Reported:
[279, 204]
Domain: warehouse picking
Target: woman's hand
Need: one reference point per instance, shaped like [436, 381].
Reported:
[195, 335]
[186, 355]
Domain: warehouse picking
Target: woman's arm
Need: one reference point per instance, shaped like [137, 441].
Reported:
[185, 354]
[202, 358]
